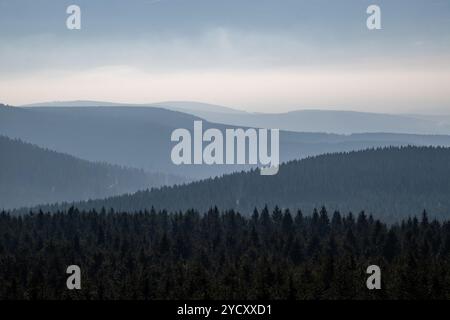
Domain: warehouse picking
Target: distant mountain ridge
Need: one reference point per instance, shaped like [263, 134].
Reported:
[196, 107]
[335, 122]
[318, 121]
[30, 175]
[140, 137]
[390, 183]
[76, 103]
[182, 106]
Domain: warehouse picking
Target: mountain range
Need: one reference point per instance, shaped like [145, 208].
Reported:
[389, 183]
[85, 139]
[139, 137]
[302, 120]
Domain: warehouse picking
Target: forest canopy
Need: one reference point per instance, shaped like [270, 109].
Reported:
[390, 183]
[272, 254]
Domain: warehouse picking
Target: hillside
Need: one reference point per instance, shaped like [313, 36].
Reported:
[337, 122]
[329, 121]
[390, 183]
[140, 137]
[30, 175]
[182, 106]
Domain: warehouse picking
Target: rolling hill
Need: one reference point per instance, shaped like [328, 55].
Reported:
[390, 183]
[337, 122]
[319, 121]
[30, 175]
[140, 137]
[190, 107]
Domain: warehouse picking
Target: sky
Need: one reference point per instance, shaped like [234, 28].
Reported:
[255, 55]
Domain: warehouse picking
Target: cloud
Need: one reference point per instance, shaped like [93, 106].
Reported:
[216, 48]
[258, 54]
[377, 90]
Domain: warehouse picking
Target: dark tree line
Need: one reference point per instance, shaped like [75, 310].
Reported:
[270, 255]
[389, 182]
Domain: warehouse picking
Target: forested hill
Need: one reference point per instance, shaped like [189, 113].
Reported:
[30, 175]
[390, 183]
[139, 137]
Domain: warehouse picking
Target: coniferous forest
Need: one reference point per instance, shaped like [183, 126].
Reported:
[30, 175]
[390, 183]
[209, 158]
[272, 254]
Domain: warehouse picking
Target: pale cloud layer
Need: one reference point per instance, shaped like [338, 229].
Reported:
[257, 55]
[374, 90]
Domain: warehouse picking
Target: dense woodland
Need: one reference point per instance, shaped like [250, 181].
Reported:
[270, 255]
[30, 175]
[390, 183]
[138, 250]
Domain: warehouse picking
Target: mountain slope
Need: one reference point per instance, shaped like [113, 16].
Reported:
[30, 175]
[76, 103]
[391, 183]
[190, 107]
[330, 121]
[140, 137]
[196, 108]
[339, 122]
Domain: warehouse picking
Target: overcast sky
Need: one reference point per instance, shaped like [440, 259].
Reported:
[257, 55]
